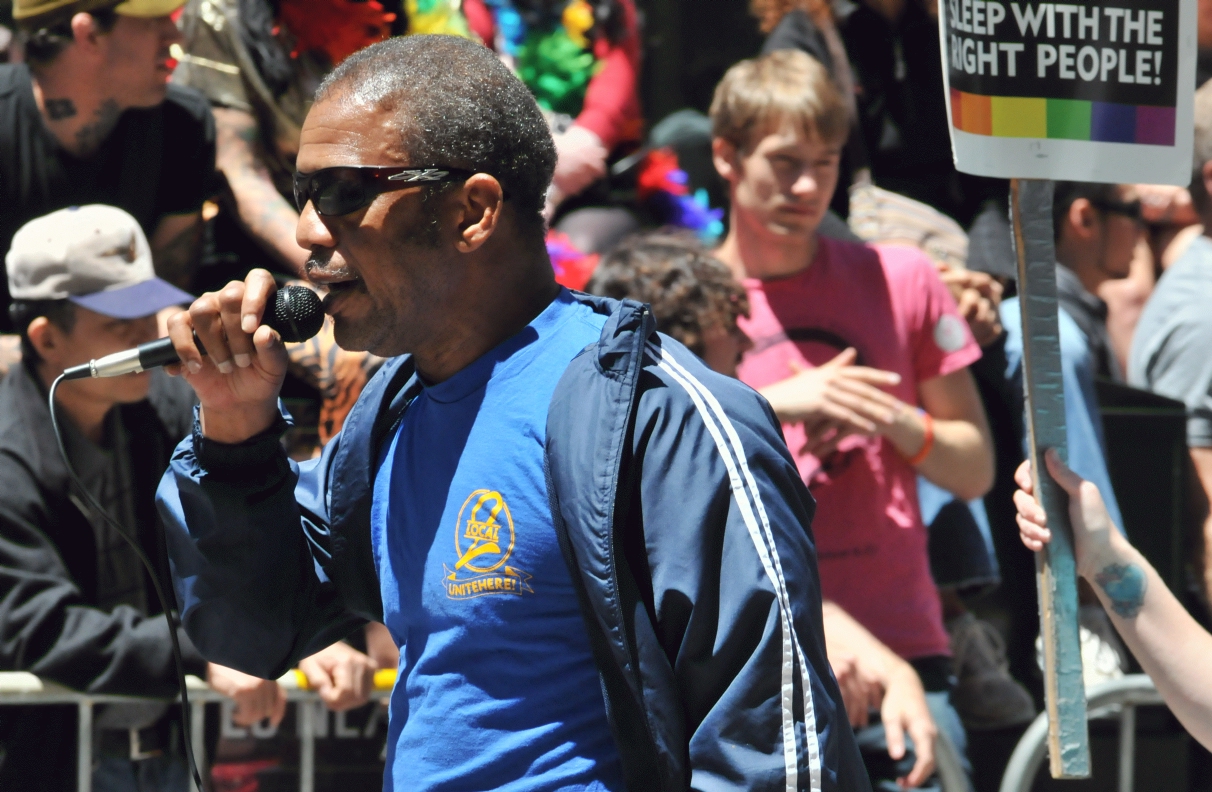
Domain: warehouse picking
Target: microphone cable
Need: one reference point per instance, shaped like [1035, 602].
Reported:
[173, 623]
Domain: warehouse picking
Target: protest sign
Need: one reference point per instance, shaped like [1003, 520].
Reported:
[1081, 92]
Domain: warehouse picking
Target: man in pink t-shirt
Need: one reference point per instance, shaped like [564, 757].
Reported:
[859, 349]
[889, 306]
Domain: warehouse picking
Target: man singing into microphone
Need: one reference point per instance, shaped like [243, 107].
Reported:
[595, 553]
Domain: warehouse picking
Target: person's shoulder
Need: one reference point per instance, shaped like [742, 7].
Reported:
[691, 396]
[1074, 345]
[16, 88]
[896, 260]
[1186, 284]
[26, 443]
[187, 103]
[905, 262]
[587, 314]
[851, 254]
[13, 78]
[907, 272]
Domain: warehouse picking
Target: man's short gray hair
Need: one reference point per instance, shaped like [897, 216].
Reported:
[456, 105]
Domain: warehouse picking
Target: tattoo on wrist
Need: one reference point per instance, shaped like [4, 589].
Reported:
[59, 109]
[1125, 586]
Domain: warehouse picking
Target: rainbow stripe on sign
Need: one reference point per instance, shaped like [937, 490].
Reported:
[1063, 119]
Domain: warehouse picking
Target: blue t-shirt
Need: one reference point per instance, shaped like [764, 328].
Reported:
[497, 686]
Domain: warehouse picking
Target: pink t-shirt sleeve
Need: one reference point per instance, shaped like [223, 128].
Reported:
[939, 337]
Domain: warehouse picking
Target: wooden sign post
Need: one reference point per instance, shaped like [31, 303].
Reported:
[1055, 569]
[1097, 92]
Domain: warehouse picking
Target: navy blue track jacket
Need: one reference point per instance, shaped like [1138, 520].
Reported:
[677, 506]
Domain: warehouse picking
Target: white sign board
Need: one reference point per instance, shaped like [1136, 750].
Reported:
[1097, 91]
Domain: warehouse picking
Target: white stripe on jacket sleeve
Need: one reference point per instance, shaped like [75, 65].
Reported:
[745, 491]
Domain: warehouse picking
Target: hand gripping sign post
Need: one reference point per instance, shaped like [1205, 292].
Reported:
[1096, 91]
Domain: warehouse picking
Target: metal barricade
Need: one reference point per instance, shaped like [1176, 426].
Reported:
[24, 688]
[1118, 699]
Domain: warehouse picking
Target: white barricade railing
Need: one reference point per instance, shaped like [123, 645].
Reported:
[24, 688]
[1116, 699]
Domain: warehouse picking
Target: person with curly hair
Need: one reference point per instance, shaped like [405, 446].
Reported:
[693, 296]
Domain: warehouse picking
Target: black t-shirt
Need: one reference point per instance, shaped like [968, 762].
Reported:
[796, 30]
[157, 161]
[902, 107]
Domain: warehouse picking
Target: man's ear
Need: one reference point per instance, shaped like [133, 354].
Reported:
[84, 29]
[483, 201]
[726, 158]
[46, 338]
[1083, 220]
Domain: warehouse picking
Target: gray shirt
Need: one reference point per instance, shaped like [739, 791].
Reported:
[105, 470]
[1172, 348]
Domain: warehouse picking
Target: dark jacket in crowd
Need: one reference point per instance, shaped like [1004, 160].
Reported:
[49, 622]
[659, 472]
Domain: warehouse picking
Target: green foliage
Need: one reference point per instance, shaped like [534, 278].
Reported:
[557, 70]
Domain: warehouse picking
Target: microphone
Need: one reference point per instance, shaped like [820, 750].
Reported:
[295, 313]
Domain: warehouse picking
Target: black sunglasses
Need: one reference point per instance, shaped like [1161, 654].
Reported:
[341, 190]
[1129, 209]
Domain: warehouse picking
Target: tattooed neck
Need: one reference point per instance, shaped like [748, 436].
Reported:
[1125, 587]
[59, 109]
[90, 136]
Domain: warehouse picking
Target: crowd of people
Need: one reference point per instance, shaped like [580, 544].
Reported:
[806, 237]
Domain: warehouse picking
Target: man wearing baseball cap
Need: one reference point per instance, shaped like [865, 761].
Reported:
[77, 606]
[89, 118]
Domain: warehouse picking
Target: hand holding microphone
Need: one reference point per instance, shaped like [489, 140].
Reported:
[240, 375]
[296, 315]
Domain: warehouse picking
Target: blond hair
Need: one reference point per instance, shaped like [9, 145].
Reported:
[758, 95]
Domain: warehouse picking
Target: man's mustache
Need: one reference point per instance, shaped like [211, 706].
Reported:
[320, 260]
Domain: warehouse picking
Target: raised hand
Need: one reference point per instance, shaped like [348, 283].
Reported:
[239, 378]
[977, 295]
[1092, 526]
[845, 396]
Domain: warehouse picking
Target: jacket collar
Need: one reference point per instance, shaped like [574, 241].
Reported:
[617, 343]
[395, 384]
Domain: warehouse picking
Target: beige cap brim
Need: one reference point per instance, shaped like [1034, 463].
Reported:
[41, 12]
[148, 8]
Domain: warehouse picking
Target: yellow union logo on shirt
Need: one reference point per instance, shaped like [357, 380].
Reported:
[484, 524]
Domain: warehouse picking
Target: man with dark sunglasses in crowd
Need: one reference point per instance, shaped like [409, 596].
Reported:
[538, 494]
[1096, 228]
[89, 118]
